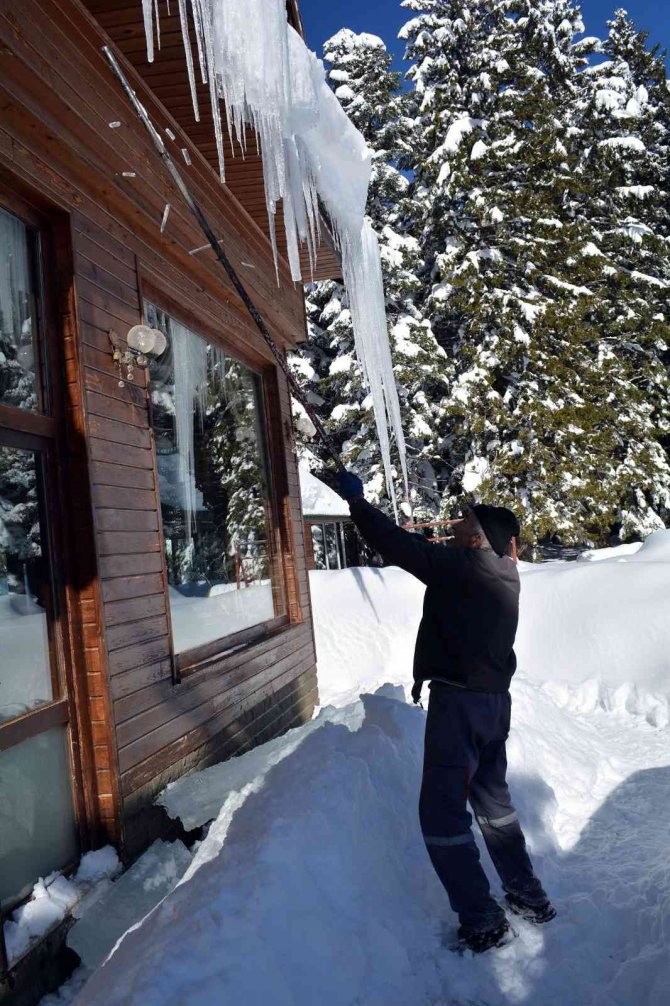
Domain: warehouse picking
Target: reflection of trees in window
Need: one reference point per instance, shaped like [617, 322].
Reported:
[20, 545]
[208, 424]
[318, 547]
[17, 315]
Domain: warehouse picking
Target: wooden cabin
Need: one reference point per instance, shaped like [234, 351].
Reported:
[154, 601]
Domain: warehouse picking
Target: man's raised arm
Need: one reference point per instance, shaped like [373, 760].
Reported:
[412, 552]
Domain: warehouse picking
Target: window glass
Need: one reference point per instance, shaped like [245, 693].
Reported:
[332, 550]
[319, 547]
[25, 677]
[37, 829]
[18, 315]
[209, 429]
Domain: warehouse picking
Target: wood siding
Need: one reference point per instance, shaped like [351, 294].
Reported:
[168, 79]
[56, 142]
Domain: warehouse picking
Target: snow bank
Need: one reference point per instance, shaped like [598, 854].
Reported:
[599, 630]
[365, 626]
[313, 884]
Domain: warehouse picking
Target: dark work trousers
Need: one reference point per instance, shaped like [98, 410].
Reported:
[465, 760]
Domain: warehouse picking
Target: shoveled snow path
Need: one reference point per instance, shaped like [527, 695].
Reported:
[313, 883]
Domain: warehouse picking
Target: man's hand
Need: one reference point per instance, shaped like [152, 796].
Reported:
[349, 485]
[416, 692]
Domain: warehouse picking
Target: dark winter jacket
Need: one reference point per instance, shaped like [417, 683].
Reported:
[470, 609]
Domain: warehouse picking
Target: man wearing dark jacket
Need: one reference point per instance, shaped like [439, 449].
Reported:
[464, 648]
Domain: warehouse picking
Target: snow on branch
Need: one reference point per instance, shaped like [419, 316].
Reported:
[265, 77]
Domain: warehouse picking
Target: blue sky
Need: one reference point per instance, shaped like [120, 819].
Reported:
[385, 17]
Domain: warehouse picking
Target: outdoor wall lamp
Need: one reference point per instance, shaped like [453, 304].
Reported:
[141, 343]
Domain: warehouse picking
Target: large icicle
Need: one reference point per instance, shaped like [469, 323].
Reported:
[190, 383]
[361, 265]
[266, 78]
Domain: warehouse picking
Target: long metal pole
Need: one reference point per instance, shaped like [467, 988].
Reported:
[157, 139]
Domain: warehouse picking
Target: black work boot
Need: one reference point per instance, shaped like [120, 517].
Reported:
[478, 942]
[543, 912]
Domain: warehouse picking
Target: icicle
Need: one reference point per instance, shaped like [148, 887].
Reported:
[185, 154]
[189, 354]
[166, 213]
[361, 266]
[183, 18]
[158, 23]
[259, 68]
[148, 15]
[170, 135]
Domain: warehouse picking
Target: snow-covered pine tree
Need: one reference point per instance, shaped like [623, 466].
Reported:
[326, 366]
[539, 414]
[625, 156]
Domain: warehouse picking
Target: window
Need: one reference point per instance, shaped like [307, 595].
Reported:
[334, 545]
[25, 679]
[38, 832]
[214, 485]
[19, 384]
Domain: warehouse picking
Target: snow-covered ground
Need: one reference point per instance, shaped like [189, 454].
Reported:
[313, 885]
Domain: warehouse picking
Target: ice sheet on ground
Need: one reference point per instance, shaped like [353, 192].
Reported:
[54, 896]
[200, 797]
[124, 902]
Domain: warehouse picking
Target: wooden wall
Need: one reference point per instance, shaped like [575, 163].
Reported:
[55, 139]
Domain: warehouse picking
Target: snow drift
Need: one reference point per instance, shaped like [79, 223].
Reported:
[313, 883]
[596, 633]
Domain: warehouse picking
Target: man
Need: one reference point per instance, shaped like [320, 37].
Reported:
[465, 649]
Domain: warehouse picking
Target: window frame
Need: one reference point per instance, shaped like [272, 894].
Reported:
[42, 433]
[196, 658]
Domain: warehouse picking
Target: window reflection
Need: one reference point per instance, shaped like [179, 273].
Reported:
[319, 547]
[207, 417]
[18, 303]
[25, 676]
[332, 550]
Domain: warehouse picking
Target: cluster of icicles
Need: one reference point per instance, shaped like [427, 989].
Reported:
[260, 69]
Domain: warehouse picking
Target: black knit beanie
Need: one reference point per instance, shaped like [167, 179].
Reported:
[499, 525]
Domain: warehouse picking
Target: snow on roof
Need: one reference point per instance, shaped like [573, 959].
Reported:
[318, 499]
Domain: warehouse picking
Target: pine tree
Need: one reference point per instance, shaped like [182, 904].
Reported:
[626, 143]
[541, 411]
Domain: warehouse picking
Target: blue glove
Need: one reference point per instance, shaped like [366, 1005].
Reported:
[349, 485]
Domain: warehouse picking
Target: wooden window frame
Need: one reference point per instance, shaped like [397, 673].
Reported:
[197, 658]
